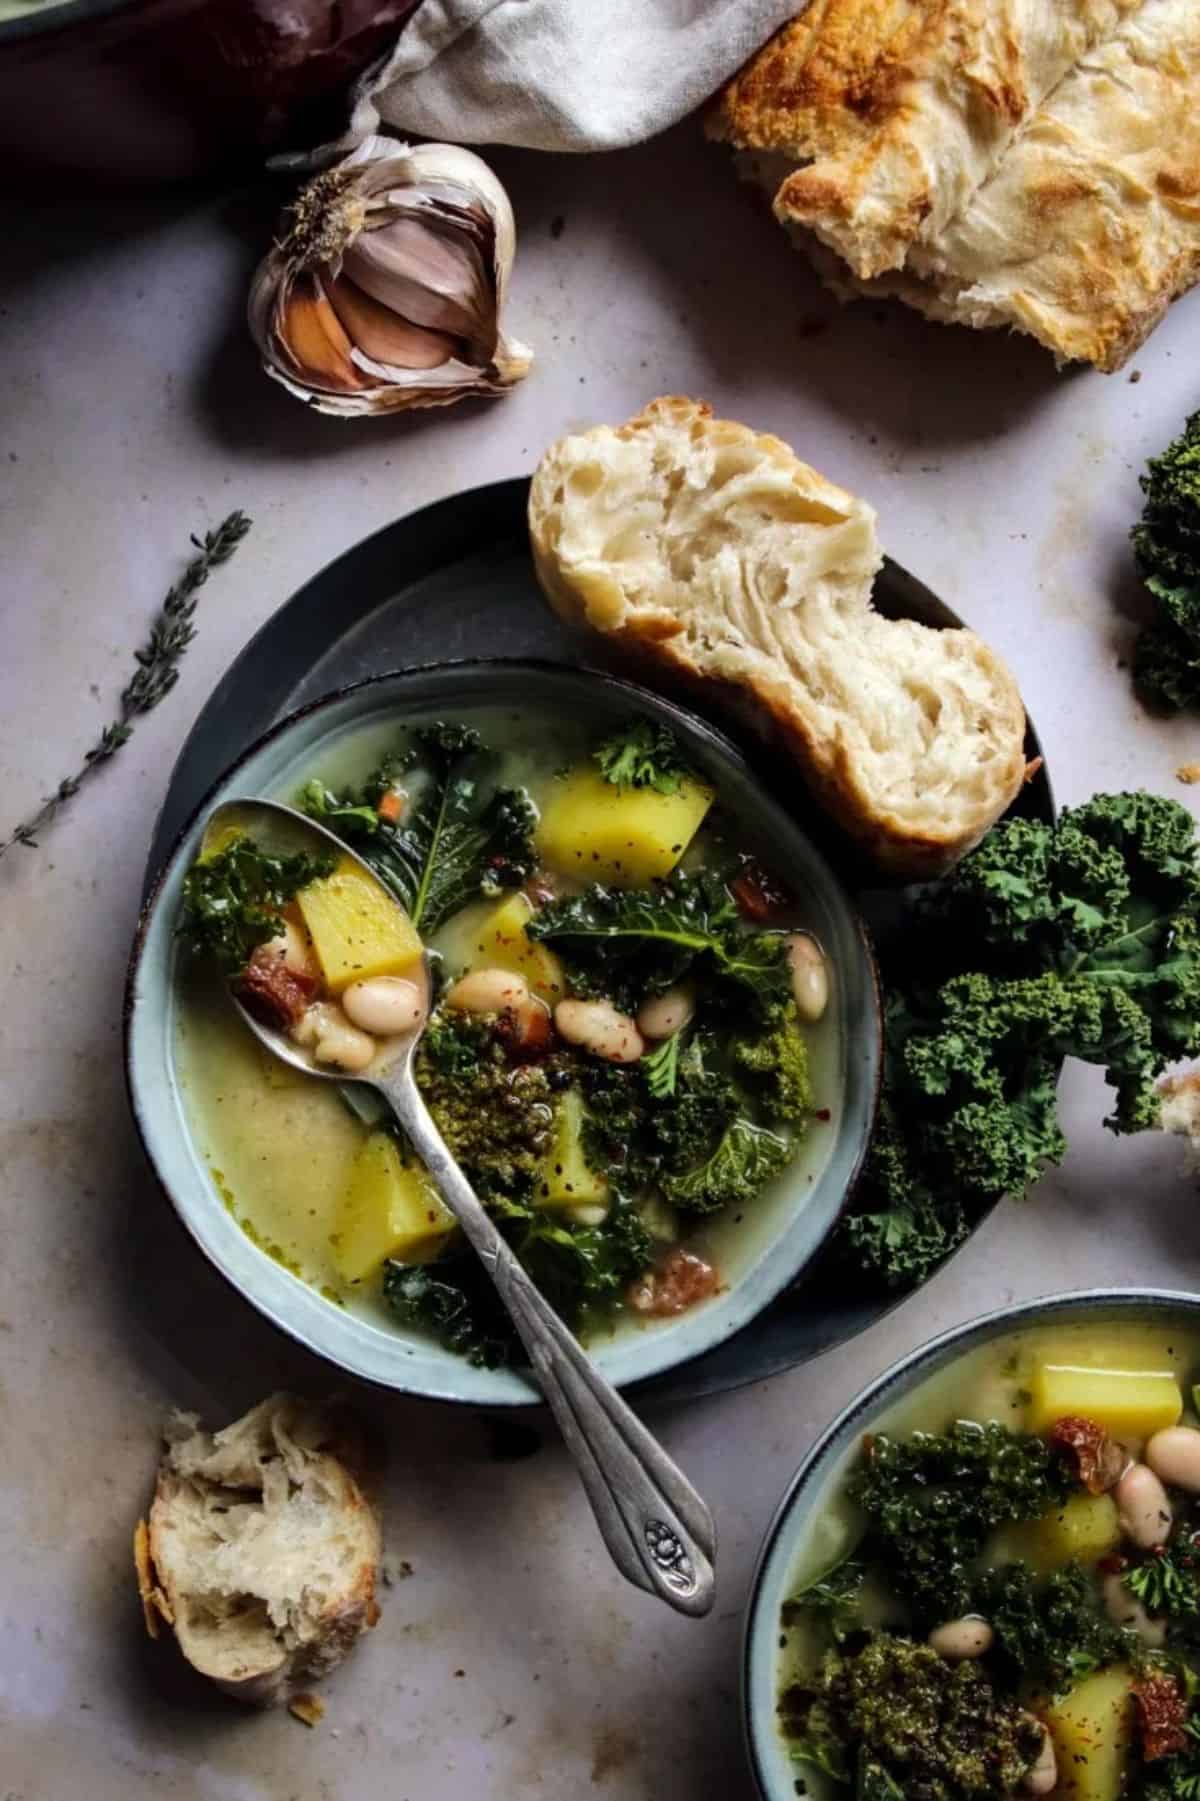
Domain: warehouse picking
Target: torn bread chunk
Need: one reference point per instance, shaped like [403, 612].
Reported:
[261, 1551]
[1180, 1112]
[882, 118]
[1090, 226]
[713, 551]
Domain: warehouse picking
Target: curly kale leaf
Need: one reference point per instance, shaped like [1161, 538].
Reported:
[1166, 544]
[627, 943]
[1168, 1582]
[646, 755]
[234, 901]
[834, 1599]
[901, 1231]
[696, 1146]
[1076, 940]
[580, 1270]
[911, 1723]
[659, 1068]
[453, 1302]
[744, 1161]
[1050, 1633]
[457, 841]
[497, 1119]
[774, 1066]
[932, 1499]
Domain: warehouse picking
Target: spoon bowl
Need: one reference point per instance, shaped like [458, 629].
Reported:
[658, 1530]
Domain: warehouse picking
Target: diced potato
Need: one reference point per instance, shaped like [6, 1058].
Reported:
[357, 929]
[566, 1179]
[624, 836]
[1131, 1405]
[388, 1209]
[1085, 1528]
[1092, 1728]
[501, 943]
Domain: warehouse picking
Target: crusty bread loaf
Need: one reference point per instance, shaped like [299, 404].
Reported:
[261, 1551]
[891, 113]
[715, 551]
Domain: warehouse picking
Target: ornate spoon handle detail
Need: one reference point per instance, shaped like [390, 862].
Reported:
[657, 1528]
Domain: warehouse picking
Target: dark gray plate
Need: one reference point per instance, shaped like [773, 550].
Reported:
[456, 581]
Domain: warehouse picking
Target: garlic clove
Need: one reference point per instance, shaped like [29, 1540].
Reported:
[381, 334]
[409, 266]
[311, 335]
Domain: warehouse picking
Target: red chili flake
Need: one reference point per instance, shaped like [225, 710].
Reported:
[1112, 1564]
[1162, 1710]
[1099, 1460]
[823, 1114]
[759, 896]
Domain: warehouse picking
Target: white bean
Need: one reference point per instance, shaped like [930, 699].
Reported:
[959, 1640]
[1124, 1609]
[810, 975]
[1143, 1508]
[293, 950]
[598, 1027]
[488, 991]
[343, 1045]
[1174, 1456]
[384, 1005]
[1041, 1778]
[311, 1023]
[666, 1014]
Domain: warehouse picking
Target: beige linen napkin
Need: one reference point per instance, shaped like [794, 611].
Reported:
[558, 74]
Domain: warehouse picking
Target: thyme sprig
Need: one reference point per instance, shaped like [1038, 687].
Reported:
[156, 673]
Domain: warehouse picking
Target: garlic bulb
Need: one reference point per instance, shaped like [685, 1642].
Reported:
[387, 286]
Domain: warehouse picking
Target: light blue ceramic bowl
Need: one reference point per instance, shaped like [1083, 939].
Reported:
[791, 1224]
[814, 1483]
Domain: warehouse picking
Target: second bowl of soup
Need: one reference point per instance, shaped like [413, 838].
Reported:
[654, 1046]
[985, 1581]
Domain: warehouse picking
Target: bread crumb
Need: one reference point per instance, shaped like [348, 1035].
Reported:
[308, 1708]
[1188, 773]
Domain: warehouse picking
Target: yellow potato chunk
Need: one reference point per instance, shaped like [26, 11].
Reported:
[357, 929]
[389, 1209]
[1092, 1728]
[501, 943]
[1129, 1404]
[566, 1179]
[1085, 1528]
[624, 836]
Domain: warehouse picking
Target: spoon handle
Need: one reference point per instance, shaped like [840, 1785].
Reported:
[657, 1528]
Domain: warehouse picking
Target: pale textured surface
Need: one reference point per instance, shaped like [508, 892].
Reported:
[131, 412]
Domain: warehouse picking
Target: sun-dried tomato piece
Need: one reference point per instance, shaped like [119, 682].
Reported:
[1099, 1459]
[678, 1283]
[275, 994]
[1162, 1710]
[758, 895]
[526, 1032]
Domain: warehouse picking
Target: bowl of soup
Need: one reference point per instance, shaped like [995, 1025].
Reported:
[653, 1045]
[984, 1580]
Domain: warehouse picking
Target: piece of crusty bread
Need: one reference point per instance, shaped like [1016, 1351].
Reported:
[892, 113]
[261, 1551]
[1090, 226]
[715, 551]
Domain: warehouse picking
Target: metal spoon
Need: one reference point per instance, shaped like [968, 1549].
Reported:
[658, 1530]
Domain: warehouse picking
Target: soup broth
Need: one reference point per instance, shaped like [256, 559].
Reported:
[1013, 1381]
[282, 1149]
